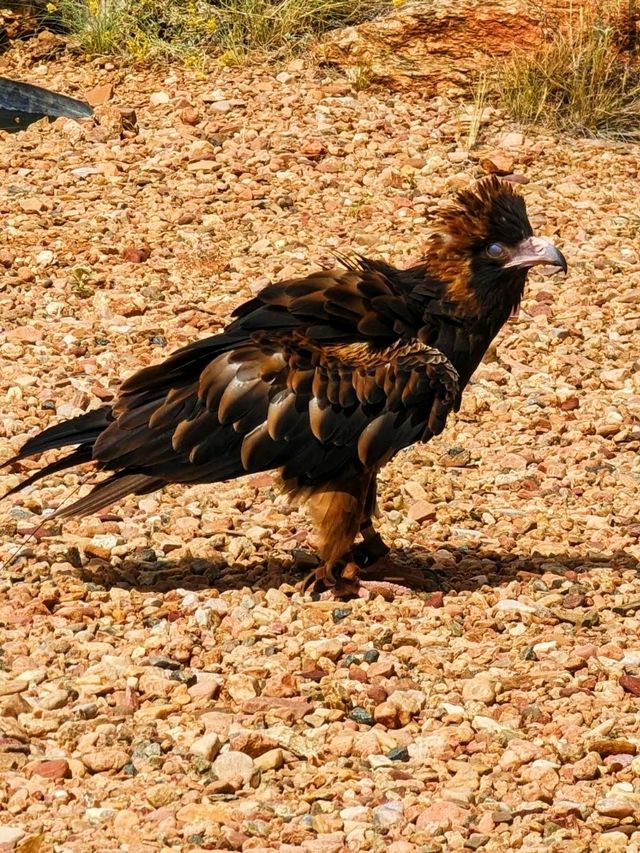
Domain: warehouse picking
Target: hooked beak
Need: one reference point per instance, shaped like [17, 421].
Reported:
[536, 251]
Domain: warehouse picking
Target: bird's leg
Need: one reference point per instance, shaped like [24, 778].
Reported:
[319, 579]
[371, 556]
[341, 509]
[304, 561]
[372, 547]
[336, 508]
[377, 565]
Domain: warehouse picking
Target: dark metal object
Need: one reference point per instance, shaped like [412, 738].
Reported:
[22, 103]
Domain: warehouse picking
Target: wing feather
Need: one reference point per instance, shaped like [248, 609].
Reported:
[315, 376]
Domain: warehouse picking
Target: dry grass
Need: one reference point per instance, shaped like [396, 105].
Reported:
[580, 80]
[479, 104]
[197, 29]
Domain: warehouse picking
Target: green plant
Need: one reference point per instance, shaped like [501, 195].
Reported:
[193, 29]
[138, 29]
[360, 76]
[81, 277]
[579, 80]
[274, 24]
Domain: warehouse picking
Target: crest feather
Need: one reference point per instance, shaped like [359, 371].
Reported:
[491, 210]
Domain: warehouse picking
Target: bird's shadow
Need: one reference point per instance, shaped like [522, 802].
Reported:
[460, 569]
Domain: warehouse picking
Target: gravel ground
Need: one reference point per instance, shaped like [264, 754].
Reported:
[162, 684]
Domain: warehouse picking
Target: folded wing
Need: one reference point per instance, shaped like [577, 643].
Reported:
[313, 412]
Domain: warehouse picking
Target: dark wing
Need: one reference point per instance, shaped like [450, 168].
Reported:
[363, 301]
[314, 412]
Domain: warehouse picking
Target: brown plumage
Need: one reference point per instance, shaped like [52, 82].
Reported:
[323, 378]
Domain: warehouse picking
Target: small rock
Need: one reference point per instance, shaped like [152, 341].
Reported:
[11, 834]
[162, 795]
[631, 684]
[271, 760]
[362, 716]
[422, 511]
[398, 753]
[103, 760]
[17, 685]
[55, 769]
[205, 687]
[32, 205]
[481, 688]
[54, 700]
[231, 765]
[497, 163]
[190, 116]
[388, 814]
[387, 715]
[205, 813]
[253, 743]
[45, 258]
[610, 807]
[157, 98]
[614, 746]
[401, 847]
[207, 747]
[507, 605]
[476, 840]
[441, 816]
[587, 767]
[99, 95]
[408, 702]
[326, 648]
[512, 140]
[241, 687]
[455, 457]
[136, 255]
[100, 815]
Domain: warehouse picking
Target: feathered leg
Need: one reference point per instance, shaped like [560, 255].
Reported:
[372, 547]
[336, 510]
[340, 510]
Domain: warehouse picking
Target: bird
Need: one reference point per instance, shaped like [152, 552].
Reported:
[323, 378]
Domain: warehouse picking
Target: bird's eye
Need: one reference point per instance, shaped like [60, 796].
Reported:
[495, 250]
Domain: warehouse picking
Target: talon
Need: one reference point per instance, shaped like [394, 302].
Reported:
[350, 572]
[319, 580]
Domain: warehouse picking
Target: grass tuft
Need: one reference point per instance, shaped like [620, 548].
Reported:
[580, 80]
[196, 29]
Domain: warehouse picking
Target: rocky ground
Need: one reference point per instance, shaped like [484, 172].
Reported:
[163, 686]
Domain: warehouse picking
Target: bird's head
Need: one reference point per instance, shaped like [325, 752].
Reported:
[484, 247]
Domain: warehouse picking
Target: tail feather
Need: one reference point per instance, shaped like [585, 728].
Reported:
[84, 429]
[76, 457]
[107, 492]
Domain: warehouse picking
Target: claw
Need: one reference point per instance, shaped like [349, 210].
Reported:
[319, 580]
